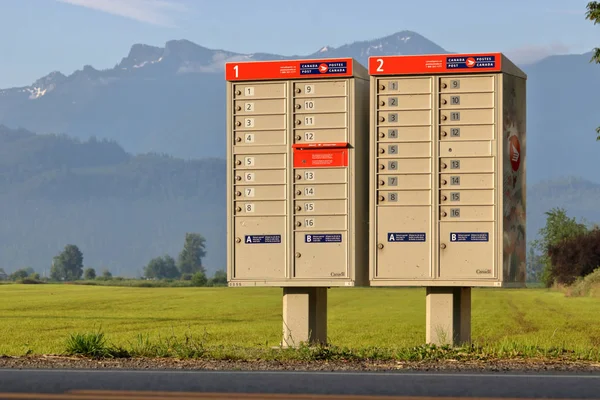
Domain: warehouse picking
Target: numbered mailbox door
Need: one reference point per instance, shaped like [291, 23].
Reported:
[403, 242]
[259, 247]
[321, 255]
[467, 250]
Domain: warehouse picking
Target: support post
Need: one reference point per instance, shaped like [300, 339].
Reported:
[448, 315]
[304, 316]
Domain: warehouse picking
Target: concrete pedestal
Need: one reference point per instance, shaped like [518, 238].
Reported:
[304, 316]
[448, 315]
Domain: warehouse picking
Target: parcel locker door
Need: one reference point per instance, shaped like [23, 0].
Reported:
[403, 242]
[260, 247]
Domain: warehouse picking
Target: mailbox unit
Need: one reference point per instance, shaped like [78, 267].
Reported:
[297, 173]
[447, 171]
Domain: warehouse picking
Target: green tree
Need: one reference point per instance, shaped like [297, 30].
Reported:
[199, 279]
[89, 274]
[68, 265]
[35, 276]
[190, 258]
[593, 14]
[558, 227]
[19, 274]
[162, 268]
[106, 275]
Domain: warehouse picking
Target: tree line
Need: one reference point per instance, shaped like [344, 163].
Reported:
[68, 266]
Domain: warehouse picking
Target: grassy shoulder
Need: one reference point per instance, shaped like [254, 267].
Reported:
[96, 345]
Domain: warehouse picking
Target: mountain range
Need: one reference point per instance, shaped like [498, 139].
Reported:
[125, 161]
[171, 100]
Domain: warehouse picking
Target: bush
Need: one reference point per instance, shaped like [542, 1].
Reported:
[30, 281]
[586, 286]
[186, 277]
[199, 279]
[575, 257]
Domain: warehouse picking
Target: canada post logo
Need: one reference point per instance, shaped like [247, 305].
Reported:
[514, 152]
[338, 67]
[470, 62]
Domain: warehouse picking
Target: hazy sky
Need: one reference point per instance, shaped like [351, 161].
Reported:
[40, 36]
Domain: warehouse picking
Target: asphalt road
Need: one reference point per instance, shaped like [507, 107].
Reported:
[85, 384]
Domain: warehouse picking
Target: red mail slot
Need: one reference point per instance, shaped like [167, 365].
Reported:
[319, 145]
[320, 158]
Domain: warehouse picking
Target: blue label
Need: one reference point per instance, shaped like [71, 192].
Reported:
[323, 238]
[471, 62]
[254, 239]
[337, 67]
[469, 237]
[406, 237]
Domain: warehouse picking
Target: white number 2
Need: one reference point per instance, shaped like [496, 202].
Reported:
[380, 65]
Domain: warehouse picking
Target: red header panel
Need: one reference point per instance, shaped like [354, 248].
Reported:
[288, 69]
[435, 63]
[320, 158]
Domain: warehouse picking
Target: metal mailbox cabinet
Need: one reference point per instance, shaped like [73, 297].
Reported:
[447, 171]
[447, 180]
[297, 179]
[297, 173]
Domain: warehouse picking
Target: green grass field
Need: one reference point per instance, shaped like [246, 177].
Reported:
[39, 318]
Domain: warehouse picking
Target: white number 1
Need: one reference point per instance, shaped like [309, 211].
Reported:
[236, 69]
[380, 66]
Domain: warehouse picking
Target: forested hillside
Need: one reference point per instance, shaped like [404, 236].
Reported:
[121, 210]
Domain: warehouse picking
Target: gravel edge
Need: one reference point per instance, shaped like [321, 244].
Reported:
[63, 362]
